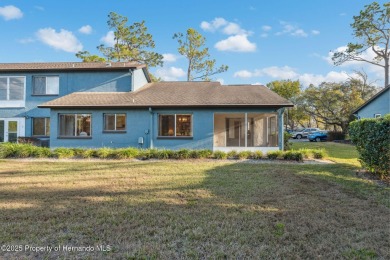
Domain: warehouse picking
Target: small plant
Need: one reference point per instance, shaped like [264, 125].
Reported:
[279, 229]
[63, 152]
[318, 153]
[164, 154]
[24, 150]
[104, 153]
[232, 155]
[244, 155]
[42, 152]
[293, 155]
[126, 153]
[306, 152]
[287, 144]
[78, 152]
[220, 155]
[200, 154]
[89, 153]
[257, 155]
[272, 155]
[182, 154]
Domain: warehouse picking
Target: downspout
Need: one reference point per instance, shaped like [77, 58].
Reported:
[280, 128]
[151, 128]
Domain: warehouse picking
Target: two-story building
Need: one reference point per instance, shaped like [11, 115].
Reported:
[75, 104]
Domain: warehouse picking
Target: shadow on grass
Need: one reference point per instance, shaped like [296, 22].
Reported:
[215, 210]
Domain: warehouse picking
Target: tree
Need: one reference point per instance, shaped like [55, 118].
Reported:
[290, 90]
[132, 43]
[191, 46]
[371, 28]
[87, 57]
[332, 103]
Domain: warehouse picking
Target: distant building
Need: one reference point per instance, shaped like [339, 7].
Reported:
[377, 106]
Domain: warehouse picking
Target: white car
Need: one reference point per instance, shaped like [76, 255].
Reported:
[304, 133]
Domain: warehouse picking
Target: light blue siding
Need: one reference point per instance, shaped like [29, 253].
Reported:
[82, 81]
[139, 124]
[139, 79]
[380, 105]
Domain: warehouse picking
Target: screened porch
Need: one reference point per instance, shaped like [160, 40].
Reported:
[246, 131]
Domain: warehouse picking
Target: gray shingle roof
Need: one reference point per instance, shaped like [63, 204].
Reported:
[39, 66]
[176, 94]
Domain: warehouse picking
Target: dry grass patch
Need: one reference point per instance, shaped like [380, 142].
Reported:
[208, 209]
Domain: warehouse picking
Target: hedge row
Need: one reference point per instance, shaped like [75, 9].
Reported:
[12, 150]
[372, 140]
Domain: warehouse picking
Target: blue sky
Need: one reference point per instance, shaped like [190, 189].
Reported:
[260, 41]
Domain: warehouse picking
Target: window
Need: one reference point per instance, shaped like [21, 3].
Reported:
[46, 85]
[175, 125]
[75, 125]
[41, 126]
[377, 115]
[12, 91]
[115, 122]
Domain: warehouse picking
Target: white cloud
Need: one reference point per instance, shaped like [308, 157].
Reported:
[291, 29]
[108, 39]
[315, 32]
[86, 29]
[10, 12]
[222, 81]
[236, 43]
[264, 35]
[213, 25]
[63, 40]
[286, 72]
[266, 28]
[170, 74]
[27, 40]
[169, 57]
[233, 28]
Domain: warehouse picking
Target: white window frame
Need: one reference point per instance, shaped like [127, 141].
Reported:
[14, 103]
[45, 76]
[174, 126]
[115, 130]
[377, 115]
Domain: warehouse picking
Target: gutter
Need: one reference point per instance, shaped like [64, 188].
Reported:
[151, 128]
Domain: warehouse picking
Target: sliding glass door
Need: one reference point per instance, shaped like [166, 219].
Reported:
[11, 129]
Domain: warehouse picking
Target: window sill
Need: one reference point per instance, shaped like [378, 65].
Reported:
[44, 95]
[176, 137]
[41, 136]
[74, 137]
[115, 132]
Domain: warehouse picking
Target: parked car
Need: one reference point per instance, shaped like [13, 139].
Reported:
[304, 133]
[318, 136]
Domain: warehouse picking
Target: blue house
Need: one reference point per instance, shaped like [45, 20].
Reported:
[116, 105]
[377, 106]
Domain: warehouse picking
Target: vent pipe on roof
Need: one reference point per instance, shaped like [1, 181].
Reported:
[108, 64]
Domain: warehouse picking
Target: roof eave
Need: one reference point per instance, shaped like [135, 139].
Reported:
[167, 106]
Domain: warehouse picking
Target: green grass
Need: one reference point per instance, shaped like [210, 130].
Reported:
[339, 153]
[184, 209]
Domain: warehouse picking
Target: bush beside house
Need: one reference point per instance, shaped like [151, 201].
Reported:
[372, 140]
[14, 150]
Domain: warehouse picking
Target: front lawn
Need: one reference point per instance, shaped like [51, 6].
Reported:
[192, 209]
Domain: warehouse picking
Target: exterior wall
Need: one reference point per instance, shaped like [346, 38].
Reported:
[108, 81]
[380, 105]
[139, 79]
[144, 123]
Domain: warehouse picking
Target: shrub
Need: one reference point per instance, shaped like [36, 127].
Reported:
[89, 153]
[293, 155]
[78, 152]
[104, 153]
[219, 155]
[318, 153]
[244, 155]
[200, 154]
[164, 154]
[24, 150]
[306, 153]
[257, 155]
[181, 154]
[372, 140]
[335, 135]
[63, 152]
[232, 155]
[42, 152]
[272, 155]
[286, 141]
[126, 153]
[7, 150]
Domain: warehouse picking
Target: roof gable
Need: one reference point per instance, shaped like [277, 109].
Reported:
[380, 93]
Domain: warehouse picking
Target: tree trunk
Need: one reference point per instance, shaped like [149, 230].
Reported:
[386, 71]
